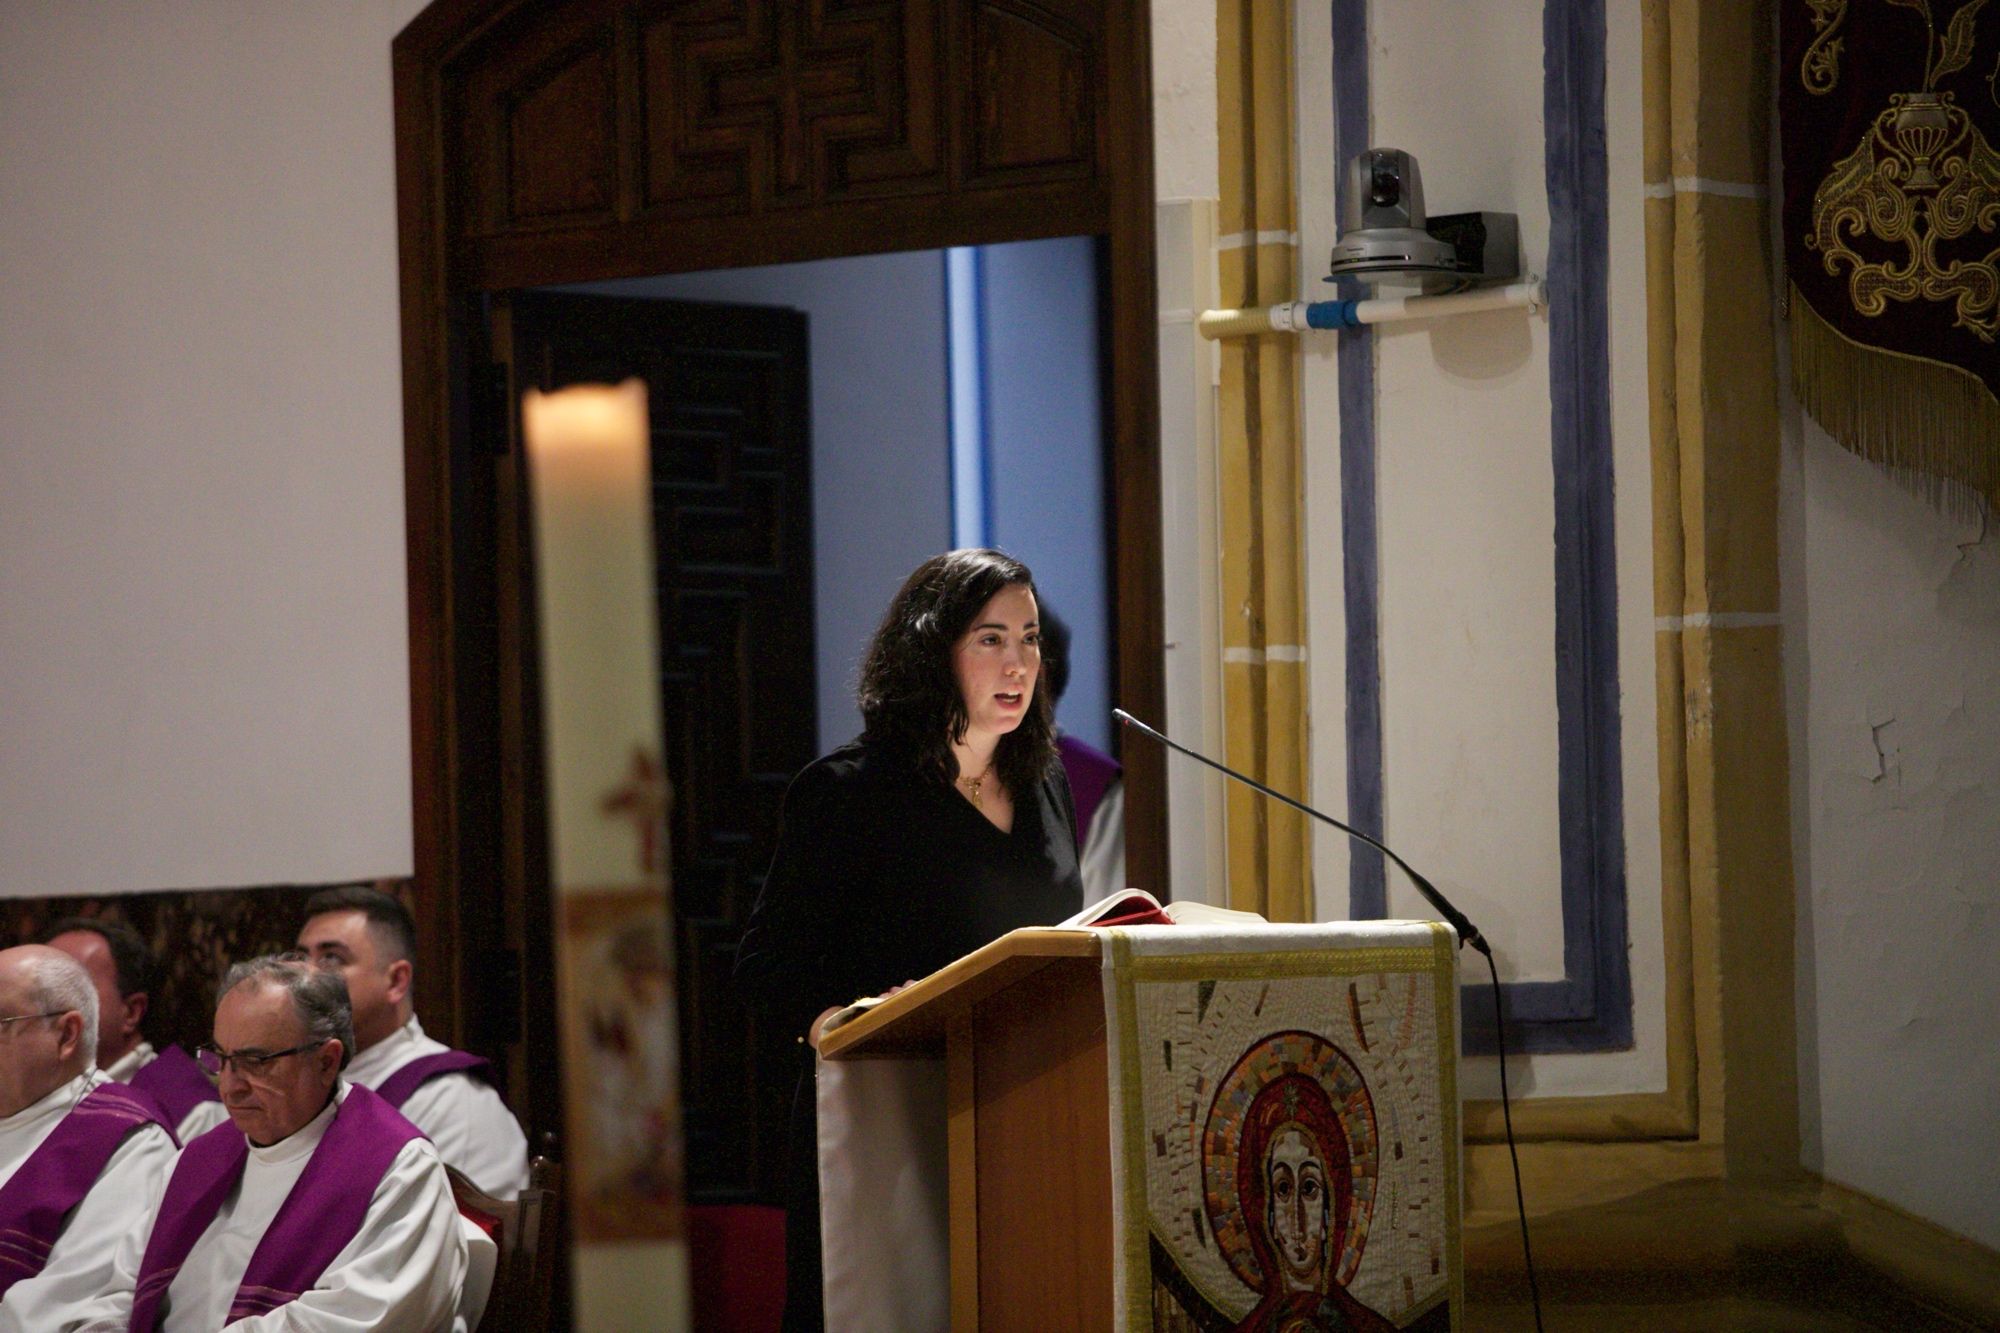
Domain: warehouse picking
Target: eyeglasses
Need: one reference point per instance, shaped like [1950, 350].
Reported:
[248, 1063]
[22, 1018]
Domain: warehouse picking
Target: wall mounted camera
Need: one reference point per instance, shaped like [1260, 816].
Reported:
[1387, 238]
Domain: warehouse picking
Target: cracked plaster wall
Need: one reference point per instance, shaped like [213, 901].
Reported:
[1893, 645]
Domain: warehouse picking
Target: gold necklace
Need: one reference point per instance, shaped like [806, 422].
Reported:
[972, 785]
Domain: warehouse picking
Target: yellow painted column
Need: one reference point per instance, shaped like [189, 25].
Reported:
[1669, 572]
[1261, 478]
[1725, 768]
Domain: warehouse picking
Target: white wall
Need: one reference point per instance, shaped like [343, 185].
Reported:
[1892, 613]
[1184, 124]
[881, 457]
[1184, 178]
[1465, 511]
[203, 662]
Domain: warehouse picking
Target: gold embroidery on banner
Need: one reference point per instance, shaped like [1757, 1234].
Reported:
[1922, 175]
[1282, 963]
[1137, 1262]
[1820, 69]
[1954, 53]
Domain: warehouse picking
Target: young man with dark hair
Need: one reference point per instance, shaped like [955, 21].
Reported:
[121, 968]
[369, 936]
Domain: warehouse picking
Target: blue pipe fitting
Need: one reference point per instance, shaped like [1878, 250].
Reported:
[1332, 315]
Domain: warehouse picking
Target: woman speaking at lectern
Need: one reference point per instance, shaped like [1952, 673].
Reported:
[945, 825]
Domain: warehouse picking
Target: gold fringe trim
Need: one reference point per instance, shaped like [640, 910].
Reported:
[1936, 426]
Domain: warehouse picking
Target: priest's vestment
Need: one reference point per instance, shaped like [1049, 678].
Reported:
[460, 1112]
[80, 1262]
[173, 1079]
[401, 1267]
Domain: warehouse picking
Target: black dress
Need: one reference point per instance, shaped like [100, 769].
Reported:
[881, 877]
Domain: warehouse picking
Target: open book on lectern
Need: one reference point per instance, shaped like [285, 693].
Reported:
[1136, 907]
[1127, 907]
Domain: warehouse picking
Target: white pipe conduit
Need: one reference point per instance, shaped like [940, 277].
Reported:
[1297, 316]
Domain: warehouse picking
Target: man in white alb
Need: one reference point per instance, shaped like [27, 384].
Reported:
[121, 967]
[81, 1157]
[370, 937]
[317, 1209]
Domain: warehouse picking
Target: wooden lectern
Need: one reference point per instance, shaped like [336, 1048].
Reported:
[1020, 1027]
[1236, 1063]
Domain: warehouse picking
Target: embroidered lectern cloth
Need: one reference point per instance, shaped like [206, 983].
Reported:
[1285, 1126]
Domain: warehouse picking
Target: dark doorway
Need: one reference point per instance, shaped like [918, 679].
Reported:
[728, 389]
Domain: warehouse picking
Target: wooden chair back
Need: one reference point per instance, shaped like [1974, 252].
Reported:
[524, 1230]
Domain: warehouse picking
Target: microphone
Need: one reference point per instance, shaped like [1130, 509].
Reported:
[1467, 934]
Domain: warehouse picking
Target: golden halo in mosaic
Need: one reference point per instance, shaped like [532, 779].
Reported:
[1275, 1060]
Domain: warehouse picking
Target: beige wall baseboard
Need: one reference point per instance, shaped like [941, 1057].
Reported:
[1565, 1177]
[1621, 1118]
[1951, 1271]
[1658, 1222]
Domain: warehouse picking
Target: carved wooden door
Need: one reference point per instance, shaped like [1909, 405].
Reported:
[545, 142]
[732, 529]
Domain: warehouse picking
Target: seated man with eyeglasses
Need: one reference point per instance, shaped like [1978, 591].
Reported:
[370, 937]
[317, 1207]
[120, 965]
[81, 1158]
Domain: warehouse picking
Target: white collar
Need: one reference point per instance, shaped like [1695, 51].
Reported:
[57, 1103]
[375, 1060]
[125, 1066]
[301, 1142]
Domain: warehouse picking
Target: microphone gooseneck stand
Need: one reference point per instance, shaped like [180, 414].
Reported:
[1467, 935]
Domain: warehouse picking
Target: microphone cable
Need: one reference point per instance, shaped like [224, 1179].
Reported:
[1507, 1117]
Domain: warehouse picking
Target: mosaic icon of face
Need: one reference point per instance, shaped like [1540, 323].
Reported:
[1297, 1205]
[1288, 1164]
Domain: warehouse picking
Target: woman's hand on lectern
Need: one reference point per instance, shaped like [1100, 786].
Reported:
[812, 1036]
[819, 1024]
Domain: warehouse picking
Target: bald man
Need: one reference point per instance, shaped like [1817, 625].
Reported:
[82, 1159]
[120, 966]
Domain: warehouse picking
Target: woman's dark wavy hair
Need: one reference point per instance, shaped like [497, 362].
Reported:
[909, 697]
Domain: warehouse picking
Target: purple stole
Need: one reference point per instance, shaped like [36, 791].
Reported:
[396, 1088]
[316, 1221]
[1091, 773]
[176, 1082]
[36, 1202]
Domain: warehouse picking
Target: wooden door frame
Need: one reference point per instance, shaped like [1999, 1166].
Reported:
[444, 275]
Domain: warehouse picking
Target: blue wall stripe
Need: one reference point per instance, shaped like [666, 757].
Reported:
[1590, 786]
[1367, 889]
